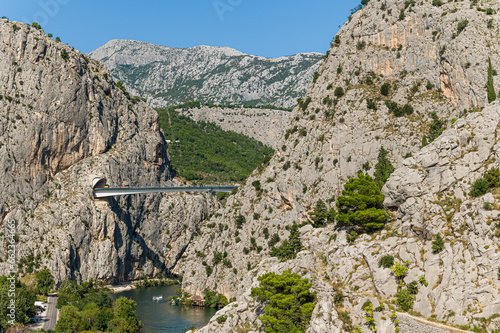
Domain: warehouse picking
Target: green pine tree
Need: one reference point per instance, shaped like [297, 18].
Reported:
[290, 247]
[361, 204]
[492, 176]
[289, 303]
[321, 215]
[489, 85]
[383, 168]
[436, 128]
[437, 243]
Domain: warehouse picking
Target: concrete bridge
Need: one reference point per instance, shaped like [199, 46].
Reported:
[101, 190]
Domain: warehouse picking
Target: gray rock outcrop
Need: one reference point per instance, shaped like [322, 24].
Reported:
[264, 125]
[63, 122]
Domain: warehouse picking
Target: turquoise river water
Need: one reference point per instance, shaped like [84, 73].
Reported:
[161, 316]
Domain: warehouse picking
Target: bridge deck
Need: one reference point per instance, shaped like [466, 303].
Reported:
[112, 191]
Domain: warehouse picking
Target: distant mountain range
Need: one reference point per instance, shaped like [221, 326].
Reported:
[168, 76]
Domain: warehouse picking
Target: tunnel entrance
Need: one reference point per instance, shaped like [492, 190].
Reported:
[99, 182]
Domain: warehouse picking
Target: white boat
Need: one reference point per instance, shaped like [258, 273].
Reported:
[157, 298]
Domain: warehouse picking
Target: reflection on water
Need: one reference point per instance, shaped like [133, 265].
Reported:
[161, 316]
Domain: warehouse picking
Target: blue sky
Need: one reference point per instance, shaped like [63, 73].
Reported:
[269, 28]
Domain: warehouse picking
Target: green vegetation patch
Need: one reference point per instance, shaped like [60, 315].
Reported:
[383, 168]
[321, 215]
[461, 26]
[482, 185]
[290, 247]
[289, 302]
[385, 89]
[436, 128]
[386, 261]
[489, 85]
[339, 92]
[405, 297]
[206, 153]
[215, 300]
[44, 281]
[88, 307]
[437, 243]
[398, 111]
[479, 187]
[24, 297]
[361, 204]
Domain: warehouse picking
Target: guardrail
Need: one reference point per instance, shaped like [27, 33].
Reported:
[113, 191]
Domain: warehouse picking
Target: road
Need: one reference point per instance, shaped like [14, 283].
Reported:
[103, 192]
[440, 327]
[50, 319]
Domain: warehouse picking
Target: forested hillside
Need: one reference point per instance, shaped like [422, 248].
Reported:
[203, 152]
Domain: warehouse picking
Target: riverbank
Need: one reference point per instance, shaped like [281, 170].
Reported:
[161, 316]
[123, 286]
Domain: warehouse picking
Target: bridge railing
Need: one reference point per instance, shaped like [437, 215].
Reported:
[114, 191]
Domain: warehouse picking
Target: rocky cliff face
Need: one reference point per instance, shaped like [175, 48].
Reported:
[168, 76]
[434, 61]
[264, 125]
[64, 122]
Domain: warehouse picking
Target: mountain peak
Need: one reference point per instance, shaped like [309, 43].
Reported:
[230, 52]
[222, 75]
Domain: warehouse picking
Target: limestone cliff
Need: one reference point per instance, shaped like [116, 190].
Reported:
[63, 122]
[435, 57]
[264, 125]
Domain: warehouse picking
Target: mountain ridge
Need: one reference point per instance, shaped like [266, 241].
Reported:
[227, 50]
[221, 75]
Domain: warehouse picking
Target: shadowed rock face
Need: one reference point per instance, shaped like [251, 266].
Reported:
[331, 136]
[221, 75]
[63, 123]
